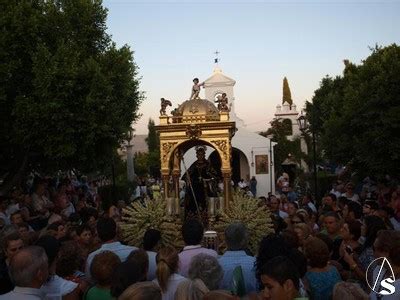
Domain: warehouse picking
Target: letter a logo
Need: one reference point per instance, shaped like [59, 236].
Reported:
[382, 278]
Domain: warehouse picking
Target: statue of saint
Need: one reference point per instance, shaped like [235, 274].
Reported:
[222, 101]
[196, 89]
[203, 183]
[164, 104]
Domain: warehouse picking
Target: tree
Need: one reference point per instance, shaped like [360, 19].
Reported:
[152, 140]
[357, 113]
[141, 164]
[68, 94]
[287, 95]
[153, 144]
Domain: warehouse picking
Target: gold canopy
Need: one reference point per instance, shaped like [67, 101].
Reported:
[194, 122]
[196, 110]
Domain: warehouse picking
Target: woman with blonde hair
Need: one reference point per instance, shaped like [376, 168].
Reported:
[167, 277]
[141, 291]
[191, 290]
[303, 232]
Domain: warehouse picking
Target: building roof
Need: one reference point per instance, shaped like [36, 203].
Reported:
[196, 110]
[219, 78]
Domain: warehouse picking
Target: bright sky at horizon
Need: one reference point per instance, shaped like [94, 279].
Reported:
[259, 42]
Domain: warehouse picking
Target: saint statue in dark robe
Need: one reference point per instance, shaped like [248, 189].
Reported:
[202, 183]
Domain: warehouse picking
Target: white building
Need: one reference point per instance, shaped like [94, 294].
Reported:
[252, 152]
[288, 113]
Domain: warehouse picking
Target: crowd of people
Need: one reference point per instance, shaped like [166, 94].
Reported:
[58, 243]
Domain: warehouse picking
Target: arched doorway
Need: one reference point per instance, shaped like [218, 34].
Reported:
[212, 156]
[239, 164]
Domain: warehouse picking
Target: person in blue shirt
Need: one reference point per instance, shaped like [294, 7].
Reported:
[236, 238]
[321, 277]
[107, 232]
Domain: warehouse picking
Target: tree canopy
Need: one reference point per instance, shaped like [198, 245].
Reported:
[356, 115]
[286, 94]
[153, 144]
[68, 94]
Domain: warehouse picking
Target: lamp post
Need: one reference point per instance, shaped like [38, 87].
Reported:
[129, 157]
[270, 136]
[303, 125]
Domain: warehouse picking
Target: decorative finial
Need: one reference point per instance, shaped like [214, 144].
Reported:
[216, 59]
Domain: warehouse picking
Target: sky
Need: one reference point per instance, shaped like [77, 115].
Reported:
[260, 42]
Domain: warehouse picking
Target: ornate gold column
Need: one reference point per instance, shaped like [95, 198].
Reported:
[176, 174]
[176, 171]
[165, 181]
[226, 174]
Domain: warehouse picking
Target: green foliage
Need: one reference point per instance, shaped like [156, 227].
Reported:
[123, 189]
[152, 140]
[141, 161]
[154, 163]
[153, 144]
[287, 95]
[357, 114]
[68, 94]
[286, 127]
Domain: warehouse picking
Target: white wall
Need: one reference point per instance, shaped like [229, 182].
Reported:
[251, 144]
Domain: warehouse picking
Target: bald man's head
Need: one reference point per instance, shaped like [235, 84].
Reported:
[29, 267]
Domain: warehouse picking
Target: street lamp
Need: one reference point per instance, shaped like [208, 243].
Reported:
[303, 126]
[302, 121]
[129, 157]
[270, 136]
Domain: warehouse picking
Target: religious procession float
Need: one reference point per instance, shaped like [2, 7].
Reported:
[200, 124]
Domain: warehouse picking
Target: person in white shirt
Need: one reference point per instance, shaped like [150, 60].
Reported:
[274, 207]
[41, 203]
[337, 189]
[242, 184]
[349, 194]
[192, 232]
[136, 193]
[55, 287]
[167, 277]
[29, 271]
[283, 183]
[307, 201]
